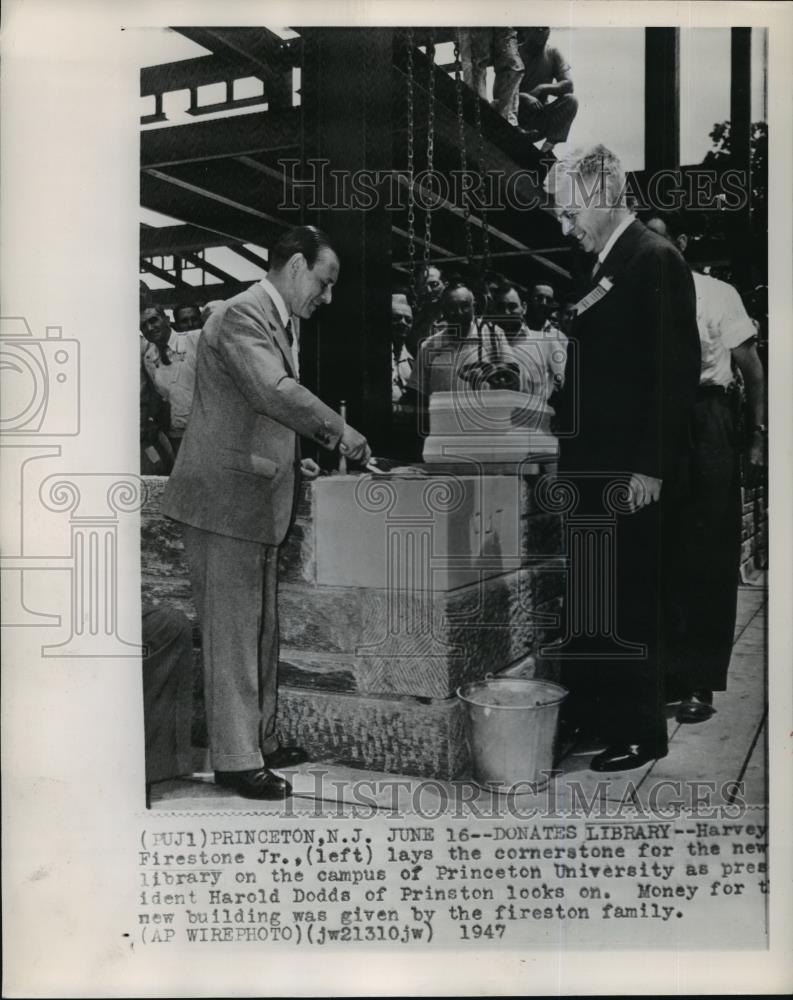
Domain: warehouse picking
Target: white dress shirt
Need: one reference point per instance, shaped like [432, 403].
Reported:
[285, 318]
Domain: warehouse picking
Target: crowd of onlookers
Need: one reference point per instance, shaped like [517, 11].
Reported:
[167, 378]
[447, 332]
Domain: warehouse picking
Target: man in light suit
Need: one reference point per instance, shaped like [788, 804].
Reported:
[234, 488]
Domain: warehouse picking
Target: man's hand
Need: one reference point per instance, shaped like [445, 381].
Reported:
[308, 468]
[755, 460]
[644, 490]
[531, 102]
[354, 445]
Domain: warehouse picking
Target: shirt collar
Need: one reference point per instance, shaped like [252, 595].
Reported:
[615, 236]
[277, 298]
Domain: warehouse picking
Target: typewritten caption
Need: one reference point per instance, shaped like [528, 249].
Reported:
[252, 881]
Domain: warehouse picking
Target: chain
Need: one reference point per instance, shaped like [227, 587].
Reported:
[411, 155]
[458, 84]
[481, 164]
[430, 143]
[311, 141]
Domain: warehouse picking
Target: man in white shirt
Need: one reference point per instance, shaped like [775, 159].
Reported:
[447, 361]
[705, 595]
[546, 75]
[541, 353]
[170, 361]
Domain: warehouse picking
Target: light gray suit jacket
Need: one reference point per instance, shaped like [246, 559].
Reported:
[237, 466]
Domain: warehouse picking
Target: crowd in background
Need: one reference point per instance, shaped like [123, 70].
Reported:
[446, 329]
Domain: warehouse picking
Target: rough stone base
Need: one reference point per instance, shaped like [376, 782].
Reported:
[398, 735]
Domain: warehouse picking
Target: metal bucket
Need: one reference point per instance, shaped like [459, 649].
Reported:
[511, 730]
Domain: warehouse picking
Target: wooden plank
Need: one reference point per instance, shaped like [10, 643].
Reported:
[755, 777]
[716, 750]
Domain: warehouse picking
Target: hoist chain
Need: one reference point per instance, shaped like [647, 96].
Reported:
[430, 143]
[458, 83]
[411, 159]
[481, 165]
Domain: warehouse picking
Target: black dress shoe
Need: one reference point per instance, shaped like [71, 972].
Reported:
[258, 783]
[697, 707]
[625, 756]
[286, 757]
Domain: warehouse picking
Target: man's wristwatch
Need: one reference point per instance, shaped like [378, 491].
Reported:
[760, 429]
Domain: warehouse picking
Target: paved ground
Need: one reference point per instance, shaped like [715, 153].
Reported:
[704, 760]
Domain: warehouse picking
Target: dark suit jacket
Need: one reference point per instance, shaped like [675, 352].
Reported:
[633, 366]
[235, 473]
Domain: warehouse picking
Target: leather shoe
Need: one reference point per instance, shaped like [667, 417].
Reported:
[286, 757]
[625, 757]
[697, 707]
[257, 783]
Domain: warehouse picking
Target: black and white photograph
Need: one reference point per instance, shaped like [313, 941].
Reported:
[431, 633]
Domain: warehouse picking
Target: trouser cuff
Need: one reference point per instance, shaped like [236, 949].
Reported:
[237, 761]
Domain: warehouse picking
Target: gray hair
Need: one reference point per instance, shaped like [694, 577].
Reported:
[596, 176]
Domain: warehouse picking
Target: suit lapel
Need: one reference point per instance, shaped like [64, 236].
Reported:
[620, 253]
[274, 326]
[608, 274]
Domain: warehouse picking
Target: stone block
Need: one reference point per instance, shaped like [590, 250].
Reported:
[543, 534]
[441, 532]
[367, 673]
[421, 644]
[162, 550]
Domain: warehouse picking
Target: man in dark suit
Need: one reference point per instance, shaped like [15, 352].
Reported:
[234, 486]
[629, 390]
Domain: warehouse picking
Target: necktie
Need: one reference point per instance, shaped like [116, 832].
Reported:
[293, 348]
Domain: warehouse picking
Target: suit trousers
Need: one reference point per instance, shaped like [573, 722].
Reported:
[620, 697]
[481, 46]
[552, 121]
[703, 590]
[235, 586]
